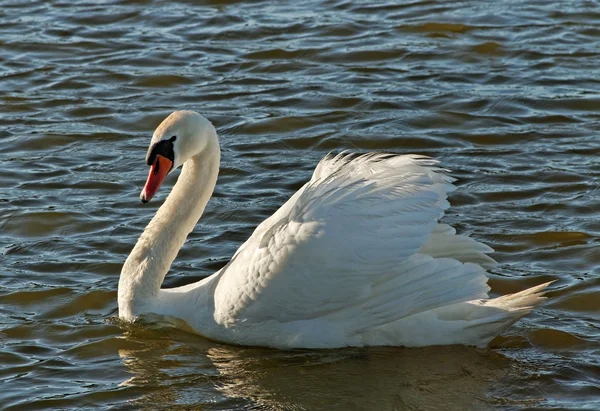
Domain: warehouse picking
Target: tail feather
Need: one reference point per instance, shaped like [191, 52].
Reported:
[505, 311]
[526, 299]
[473, 323]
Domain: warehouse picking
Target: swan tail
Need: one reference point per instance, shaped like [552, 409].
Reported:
[524, 300]
[445, 243]
[498, 314]
[473, 323]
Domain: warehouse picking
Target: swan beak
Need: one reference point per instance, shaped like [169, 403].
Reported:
[158, 172]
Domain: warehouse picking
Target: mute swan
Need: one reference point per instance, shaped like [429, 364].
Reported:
[356, 257]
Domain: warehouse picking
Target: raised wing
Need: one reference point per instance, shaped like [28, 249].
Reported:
[346, 247]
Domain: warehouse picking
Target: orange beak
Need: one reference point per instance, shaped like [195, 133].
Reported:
[158, 172]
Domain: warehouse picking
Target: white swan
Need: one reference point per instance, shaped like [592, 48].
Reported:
[356, 257]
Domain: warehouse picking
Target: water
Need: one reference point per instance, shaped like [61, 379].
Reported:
[505, 93]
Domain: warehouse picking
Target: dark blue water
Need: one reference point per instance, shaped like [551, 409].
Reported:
[506, 94]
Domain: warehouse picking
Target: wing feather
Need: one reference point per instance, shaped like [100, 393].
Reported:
[346, 246]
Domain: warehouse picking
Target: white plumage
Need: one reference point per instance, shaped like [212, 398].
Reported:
[355, 257]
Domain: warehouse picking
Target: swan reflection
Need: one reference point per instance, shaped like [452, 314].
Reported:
[194, 372]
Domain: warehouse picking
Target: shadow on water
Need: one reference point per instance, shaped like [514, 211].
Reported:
[195, 371]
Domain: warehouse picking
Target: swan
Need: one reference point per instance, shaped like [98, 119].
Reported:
[356, 257]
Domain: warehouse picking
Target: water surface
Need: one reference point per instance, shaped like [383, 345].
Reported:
[506, 94]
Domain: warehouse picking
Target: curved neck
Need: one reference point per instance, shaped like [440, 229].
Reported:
[150, 260]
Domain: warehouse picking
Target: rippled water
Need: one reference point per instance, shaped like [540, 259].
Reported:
[506, 94]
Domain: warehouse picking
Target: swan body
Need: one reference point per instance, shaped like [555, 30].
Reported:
[356, 257]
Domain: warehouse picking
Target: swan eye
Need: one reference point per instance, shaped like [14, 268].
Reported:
[164, 148]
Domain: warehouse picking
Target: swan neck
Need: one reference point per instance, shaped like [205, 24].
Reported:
[147, 265]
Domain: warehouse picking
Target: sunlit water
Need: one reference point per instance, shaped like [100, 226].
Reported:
[506, 94]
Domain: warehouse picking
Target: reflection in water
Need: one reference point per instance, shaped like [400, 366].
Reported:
[194, 371]
[373, 378]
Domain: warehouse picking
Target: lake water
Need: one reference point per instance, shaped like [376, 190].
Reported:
[506, 94]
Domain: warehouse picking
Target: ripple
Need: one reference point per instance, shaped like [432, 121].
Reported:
[505, 97]
[556, 339]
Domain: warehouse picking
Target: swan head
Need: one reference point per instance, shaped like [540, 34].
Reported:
[180, 136]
